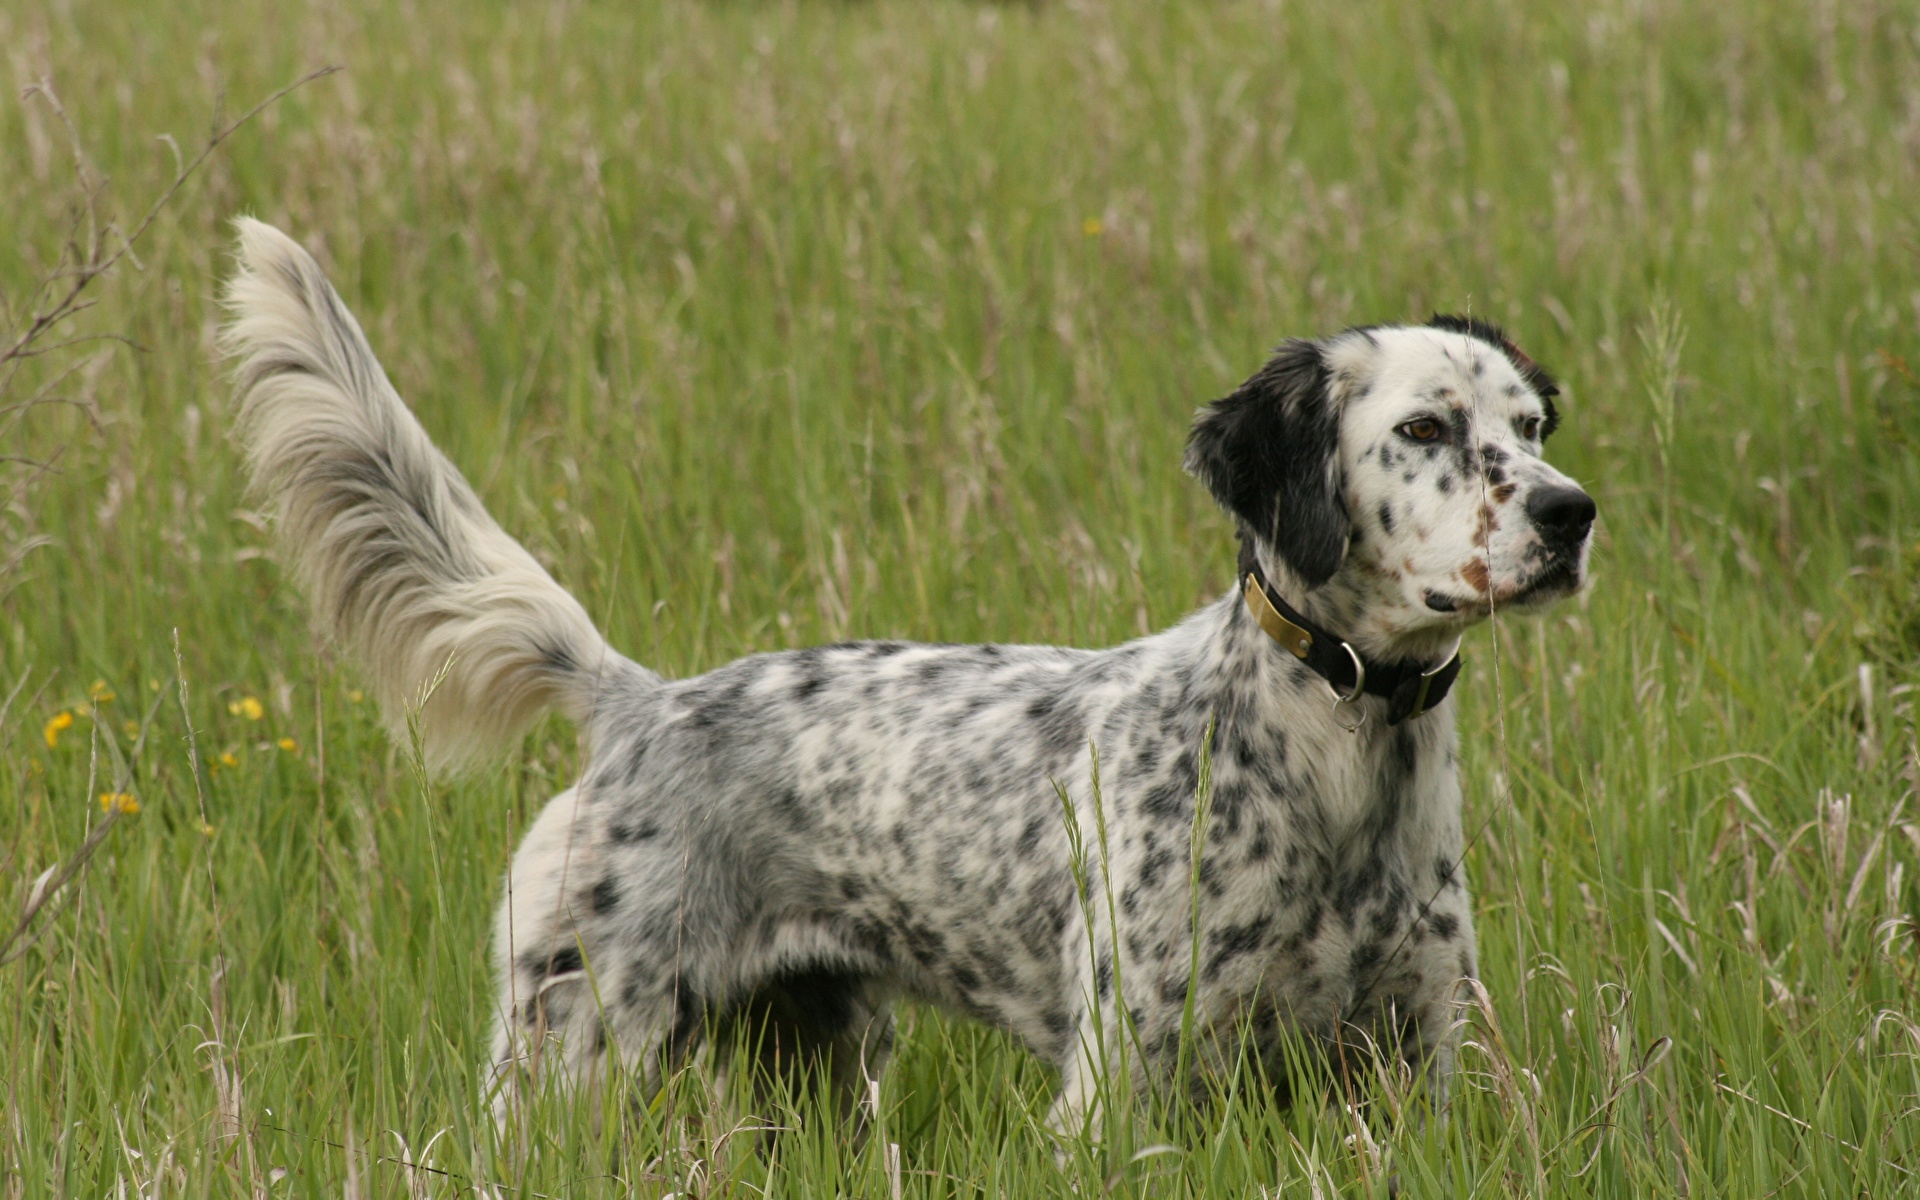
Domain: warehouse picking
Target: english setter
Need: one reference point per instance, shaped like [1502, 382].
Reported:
[798, 839]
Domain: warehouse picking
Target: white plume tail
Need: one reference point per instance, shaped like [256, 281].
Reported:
[401, 563]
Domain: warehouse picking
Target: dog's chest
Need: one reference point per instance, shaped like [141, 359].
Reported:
[1328, 878]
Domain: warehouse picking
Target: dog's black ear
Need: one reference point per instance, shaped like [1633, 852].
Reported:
[1270, 454]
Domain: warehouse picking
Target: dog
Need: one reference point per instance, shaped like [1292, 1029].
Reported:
[795, 841]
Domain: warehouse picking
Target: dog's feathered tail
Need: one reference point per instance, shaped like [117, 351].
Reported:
[400, 561]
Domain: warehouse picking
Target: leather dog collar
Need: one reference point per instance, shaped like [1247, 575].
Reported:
[1409, 689]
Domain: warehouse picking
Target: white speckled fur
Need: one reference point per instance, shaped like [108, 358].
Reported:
[798, 839]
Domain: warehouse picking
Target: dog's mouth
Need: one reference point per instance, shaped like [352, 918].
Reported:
[1559, 579]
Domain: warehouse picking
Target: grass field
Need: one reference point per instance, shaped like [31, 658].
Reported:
[773, 324]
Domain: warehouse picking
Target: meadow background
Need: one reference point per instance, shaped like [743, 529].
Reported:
[769, 324]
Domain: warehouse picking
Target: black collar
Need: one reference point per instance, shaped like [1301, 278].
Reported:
[1409, 688]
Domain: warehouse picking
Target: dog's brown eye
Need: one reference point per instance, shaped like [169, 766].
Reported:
[1426, 429]
[1530, 429]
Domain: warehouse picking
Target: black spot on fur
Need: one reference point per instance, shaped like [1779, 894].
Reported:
[1310, 924]
[1030, 835]
[810, 683]
[1260, 848]
[1154, 866]
[1169, 801]
[1235, 941]
[995, 968]
[1359, 885]
[793, 810]
[1059, 1025]
[1058, 724]
[563, 961]
[924, 943]
[605, 896]
[1386, 516]
[626, 833]
[1362, 967]
[636, 759]
[1445, 926]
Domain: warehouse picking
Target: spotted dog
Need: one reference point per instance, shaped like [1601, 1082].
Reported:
[796, 841]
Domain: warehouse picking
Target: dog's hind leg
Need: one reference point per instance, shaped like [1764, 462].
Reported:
[585, 991]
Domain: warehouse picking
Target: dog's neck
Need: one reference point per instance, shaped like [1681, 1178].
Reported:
[1344, 606]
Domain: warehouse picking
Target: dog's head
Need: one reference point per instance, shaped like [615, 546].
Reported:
[1392, 478]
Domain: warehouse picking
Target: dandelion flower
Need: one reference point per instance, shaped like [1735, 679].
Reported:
[288, 744]
[60, 723]
[248, 707]
[228, 760]
[119, 802]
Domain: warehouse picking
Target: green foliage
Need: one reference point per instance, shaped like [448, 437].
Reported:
[769, 324]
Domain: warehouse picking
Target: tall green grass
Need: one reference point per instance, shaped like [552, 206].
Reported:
[773, 324]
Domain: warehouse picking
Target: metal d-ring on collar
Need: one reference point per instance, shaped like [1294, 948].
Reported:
[1359, 690]
[1410, 689]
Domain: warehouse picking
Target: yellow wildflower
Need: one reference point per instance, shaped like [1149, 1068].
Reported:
[248, 707]
[206, 830]
[287, 743]
[100, 693]
[61, 722]
[119, 801]
[1093, 227]
[228, 760]
[356, 695]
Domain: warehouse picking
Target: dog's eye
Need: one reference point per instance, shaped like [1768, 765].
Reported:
[1530, 429]
[1425, 429]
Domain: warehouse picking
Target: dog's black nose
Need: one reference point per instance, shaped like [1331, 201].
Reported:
[1564, 512]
